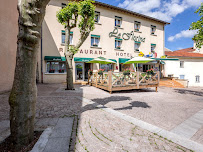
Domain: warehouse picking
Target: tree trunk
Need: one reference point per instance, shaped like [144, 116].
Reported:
[23, 95]
[69, 58]
[69, 76]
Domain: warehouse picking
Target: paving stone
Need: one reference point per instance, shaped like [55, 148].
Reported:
[57, 145]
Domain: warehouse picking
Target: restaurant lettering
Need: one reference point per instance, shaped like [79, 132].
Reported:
[121, 54]
[95, 52]
[126, 36]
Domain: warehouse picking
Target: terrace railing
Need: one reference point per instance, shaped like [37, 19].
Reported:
[112, 81]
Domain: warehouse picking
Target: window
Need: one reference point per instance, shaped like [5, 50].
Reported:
[63, 37]
[63, 5]
[118, 43]
[56, 67]
[106, 67]
[153, 29]
[137, 26]
[118, 21]
[153, 46]
[197, 79]
[182, 76]
[95, 39]
[97, 17]
[181, 64]
[137, 45]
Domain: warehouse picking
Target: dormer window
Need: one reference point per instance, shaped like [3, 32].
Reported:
[97, 17]
[137, 26]
[153, 29]
[118, 21]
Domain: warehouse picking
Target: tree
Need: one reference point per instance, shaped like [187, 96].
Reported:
[68, 17]
[198, 38]
[23, 95]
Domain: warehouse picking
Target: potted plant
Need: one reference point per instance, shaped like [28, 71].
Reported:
[52, 71]
[90, 72]
[95, 44]
[61, 70]
[150, 72]
[118, 47]
[127, 72]
[100, 71]
[136, 29]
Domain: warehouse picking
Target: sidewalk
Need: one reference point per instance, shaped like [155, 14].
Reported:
[109, 127]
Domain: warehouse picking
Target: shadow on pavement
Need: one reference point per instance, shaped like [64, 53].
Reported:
[184, 91]
[137, 104]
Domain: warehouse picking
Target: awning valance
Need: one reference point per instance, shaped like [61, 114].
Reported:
[65, 32]
[137, 42]
[153, 44]
[113, 60]
[123, 60]
[77, 59]
[54, 58]
[118, 39]
[95, 36]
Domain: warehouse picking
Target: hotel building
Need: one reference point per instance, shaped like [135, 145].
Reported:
[119, 35]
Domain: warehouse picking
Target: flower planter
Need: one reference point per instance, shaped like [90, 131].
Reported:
[126, 73]
[100, 73]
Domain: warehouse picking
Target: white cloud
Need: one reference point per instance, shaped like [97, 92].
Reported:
[183, 34]
[164, 10]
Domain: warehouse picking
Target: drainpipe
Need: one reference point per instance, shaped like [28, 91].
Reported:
[41, 59]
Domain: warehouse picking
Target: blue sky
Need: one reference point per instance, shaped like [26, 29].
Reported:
[180, 13]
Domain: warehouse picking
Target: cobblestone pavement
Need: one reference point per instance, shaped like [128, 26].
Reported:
[165, 109]
[100, 132]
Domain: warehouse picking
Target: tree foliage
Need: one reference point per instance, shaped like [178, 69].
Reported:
[198, 38]
[83, 11]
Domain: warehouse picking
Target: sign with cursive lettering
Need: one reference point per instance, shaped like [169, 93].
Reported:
[126, 36]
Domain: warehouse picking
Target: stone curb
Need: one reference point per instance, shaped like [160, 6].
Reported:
[187, 143]
[42, 142]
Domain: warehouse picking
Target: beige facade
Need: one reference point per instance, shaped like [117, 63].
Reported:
[52, 40]
[8, 39]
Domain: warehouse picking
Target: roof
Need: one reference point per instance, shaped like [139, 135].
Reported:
[188, 52]
[128, 11]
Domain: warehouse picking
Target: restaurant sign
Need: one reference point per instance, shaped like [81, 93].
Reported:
[126, 36]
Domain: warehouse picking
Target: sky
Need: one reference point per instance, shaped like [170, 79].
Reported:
[179, 13]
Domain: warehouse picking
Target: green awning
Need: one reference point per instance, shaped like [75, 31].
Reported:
[65, 32]
[118, 39]
[77, 59]
[54, 58]
[113, 60]
[162, 62]
[137, 42]
[169, 59]
[153, 44]
[95, 36]
[123, 60]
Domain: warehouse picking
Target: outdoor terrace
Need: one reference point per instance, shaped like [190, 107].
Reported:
[116, 81]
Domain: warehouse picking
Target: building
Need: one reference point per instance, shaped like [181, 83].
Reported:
[119, 35]
[188, 67]
[8, 42]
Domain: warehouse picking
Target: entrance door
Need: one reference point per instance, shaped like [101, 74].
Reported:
[79, 69]
[87, 67]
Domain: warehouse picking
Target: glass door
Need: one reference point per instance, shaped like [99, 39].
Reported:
[87, 67]
[79, 69]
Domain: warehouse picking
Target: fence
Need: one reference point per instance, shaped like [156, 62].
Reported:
[115, 81]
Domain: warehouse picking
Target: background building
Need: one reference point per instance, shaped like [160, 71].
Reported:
[8, 42]
[119, 35]
[188, 67]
